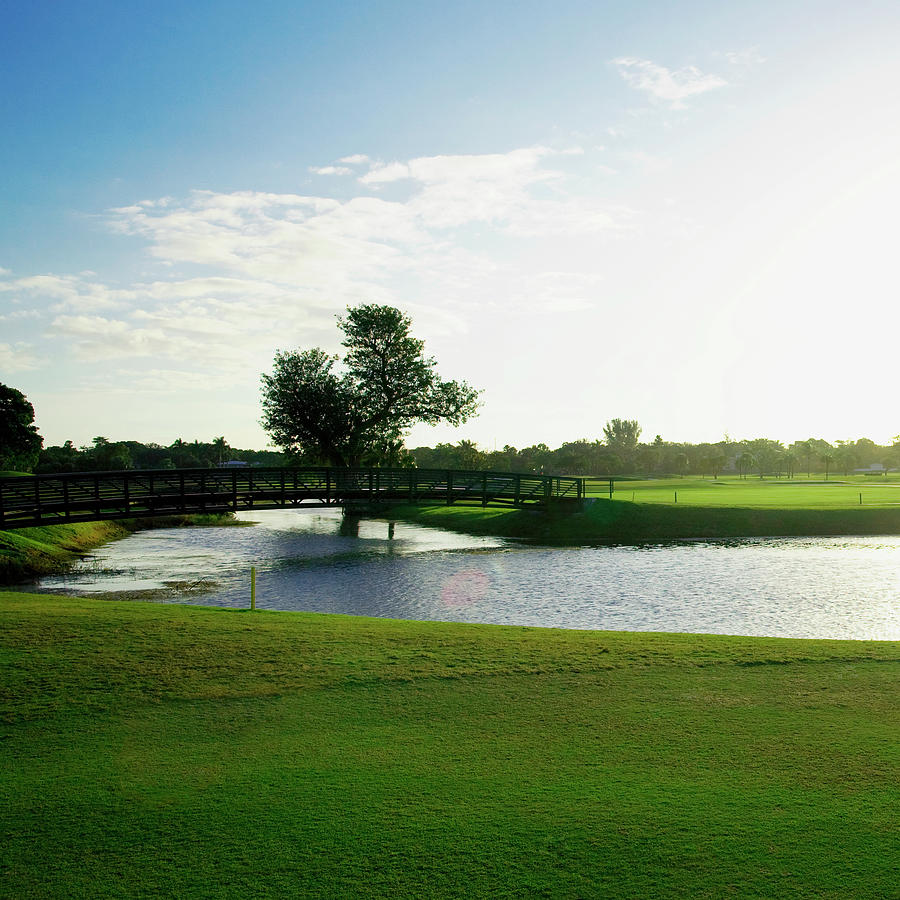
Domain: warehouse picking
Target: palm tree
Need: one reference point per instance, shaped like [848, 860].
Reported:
[790, 460]
[220, 445]
[827, 457]
[746, 461]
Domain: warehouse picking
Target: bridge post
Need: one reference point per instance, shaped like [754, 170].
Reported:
[449, 487]
[328, 487]
[65, 487]
[484, 490]
[234, 490]
[37, 497]
[96, 496]
[518, 499]
[126, 495]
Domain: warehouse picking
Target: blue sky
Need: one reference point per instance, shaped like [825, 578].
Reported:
[676, 212]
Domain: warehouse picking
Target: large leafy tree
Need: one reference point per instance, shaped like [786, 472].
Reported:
[20, 443]
[622, 437]
[355, 410]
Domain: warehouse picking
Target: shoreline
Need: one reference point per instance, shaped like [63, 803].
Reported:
[26, 554]
[619, 522]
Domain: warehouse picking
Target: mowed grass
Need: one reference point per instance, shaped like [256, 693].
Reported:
[157, 750]
[753, 492]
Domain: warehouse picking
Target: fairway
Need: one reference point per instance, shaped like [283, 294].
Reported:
[175, 751]
[771, 493]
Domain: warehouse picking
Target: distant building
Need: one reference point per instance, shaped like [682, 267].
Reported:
[871, 469]
[233, 464]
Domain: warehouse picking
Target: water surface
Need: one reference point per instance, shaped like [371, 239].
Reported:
[824, 587]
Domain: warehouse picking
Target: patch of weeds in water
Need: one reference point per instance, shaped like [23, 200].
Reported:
[199, 586]
[172, 591]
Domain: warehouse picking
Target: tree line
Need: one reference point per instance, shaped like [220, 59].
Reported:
[760, 457]
[603, 457]
[103, 455]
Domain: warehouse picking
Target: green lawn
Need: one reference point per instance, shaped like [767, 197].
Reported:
[155, 750]
[772, 493]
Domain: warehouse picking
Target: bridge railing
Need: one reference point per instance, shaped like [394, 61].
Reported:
[85, 496]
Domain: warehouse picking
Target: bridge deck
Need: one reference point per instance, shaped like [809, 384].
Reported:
[27, 501]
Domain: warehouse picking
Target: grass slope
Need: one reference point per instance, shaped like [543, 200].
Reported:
[27, 553]
[672, 509]
[614, 521]
[157, 750]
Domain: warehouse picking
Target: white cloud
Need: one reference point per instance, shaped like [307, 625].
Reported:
[356, 159]
[382, 174]
[18, 357]
[268, 271]
[331, 170]
[672, 86]
[492, 187]
[21, 314]
[69, 291]
[748, 57]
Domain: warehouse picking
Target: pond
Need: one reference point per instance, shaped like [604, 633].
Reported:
[824, 587]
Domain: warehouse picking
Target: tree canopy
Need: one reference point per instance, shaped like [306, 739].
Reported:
[355, 411]
[20, 443]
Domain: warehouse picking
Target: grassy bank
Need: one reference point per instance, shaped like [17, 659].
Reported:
[623, 521]
[155, 750]
[27, 553]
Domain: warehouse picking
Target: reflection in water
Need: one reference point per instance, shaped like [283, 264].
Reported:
[350, 525]
[319, 561]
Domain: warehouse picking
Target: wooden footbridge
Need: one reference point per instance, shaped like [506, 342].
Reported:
[31, 500]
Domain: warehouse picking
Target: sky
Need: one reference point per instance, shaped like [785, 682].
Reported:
[682, 213]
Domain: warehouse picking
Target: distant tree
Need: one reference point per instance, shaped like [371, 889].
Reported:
[790, 462]
[846, 456]
[681, 462]
[503, 460]
[622, 437]
[827, 457]
[387, 385]
[106, 456]
[807, 450]
[766, 453]
[59, 459]
[647, 458]
[609, 463]
[891, 457]
[867, 452]
[746, 461]
[534, 458]
[715, 462]
[221, 448]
